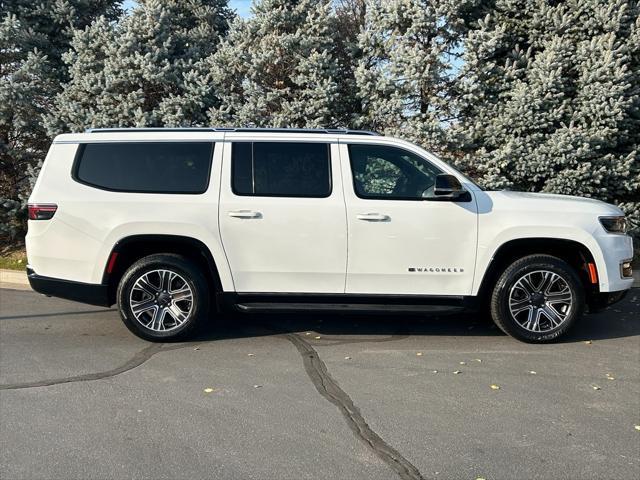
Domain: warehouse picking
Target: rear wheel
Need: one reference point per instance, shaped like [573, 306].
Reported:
[163, 297]
[537, 299]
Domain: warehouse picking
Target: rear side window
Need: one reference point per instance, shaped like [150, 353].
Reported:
[146, 167]
[281, 169]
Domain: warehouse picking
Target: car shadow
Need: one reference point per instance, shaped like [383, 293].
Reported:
[618, 321]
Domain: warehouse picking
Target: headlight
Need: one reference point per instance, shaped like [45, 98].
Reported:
[614, 224]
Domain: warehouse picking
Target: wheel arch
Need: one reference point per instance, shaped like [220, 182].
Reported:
[575, 253]
[130, 249]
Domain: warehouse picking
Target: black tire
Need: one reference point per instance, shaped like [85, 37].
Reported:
[188, 274]
[506, 286]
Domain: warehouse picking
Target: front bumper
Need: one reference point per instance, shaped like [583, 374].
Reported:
[93, 294]
[615, 250]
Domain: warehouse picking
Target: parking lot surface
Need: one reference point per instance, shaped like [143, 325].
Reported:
[315, 397]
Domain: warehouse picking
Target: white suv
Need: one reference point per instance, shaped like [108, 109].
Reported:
[176, 225]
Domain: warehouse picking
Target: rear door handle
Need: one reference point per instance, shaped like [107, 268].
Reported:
[373, 217]
[245, 214]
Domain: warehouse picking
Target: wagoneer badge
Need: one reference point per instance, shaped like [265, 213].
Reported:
[436, 269]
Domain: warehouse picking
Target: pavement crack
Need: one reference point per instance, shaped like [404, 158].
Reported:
[138, 359]
[55, 314]
[329, 389]
[331, 342]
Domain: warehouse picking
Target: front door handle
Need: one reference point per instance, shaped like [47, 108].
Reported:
[245, 214]
[373, 217]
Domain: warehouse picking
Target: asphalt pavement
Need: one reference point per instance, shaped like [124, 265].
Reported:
[315, 397]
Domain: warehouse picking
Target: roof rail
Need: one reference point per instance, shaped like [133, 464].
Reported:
[335, 131]
[149, 129]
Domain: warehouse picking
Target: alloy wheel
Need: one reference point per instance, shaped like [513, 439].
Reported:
[161, 300]
[540, 301]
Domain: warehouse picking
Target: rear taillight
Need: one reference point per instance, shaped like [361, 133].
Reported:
[42, 211]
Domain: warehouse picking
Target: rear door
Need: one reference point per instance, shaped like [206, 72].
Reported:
[282, 216]
[400, 243]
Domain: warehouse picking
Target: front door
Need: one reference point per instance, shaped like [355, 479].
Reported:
[282, 217]
[400, 242]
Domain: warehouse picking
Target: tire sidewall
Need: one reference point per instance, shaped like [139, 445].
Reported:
[512, 275]
[187, 271]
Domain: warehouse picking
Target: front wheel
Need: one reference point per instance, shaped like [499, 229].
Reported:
[537, 299]
[163, 297]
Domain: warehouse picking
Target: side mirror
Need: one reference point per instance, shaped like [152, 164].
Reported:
[447, 187]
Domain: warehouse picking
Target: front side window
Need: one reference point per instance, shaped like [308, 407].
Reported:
[145, 167]
[281, 169]
[385, 172]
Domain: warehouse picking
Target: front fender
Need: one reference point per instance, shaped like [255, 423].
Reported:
[489, 245]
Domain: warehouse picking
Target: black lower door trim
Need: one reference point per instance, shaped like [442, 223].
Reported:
[283, 302]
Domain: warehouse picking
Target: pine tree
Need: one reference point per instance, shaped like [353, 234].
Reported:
[404, 74]
[349, 23]
[549, 99]
[140, 71]
[23, 96]
[277, 68]
[33, 35]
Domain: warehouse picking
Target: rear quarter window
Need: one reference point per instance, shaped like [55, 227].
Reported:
[145, 167]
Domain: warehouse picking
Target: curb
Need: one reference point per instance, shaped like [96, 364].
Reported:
[14, 279]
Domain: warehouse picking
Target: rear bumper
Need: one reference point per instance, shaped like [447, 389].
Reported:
[93, 294]
[599, 301]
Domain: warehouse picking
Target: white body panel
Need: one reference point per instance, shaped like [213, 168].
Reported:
[289, 244]
[421, 247]
[76, 243]
[506, 216]
[309, 245]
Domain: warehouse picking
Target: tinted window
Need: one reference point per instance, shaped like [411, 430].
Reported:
[281, 169]
[380, 171]
[146, 167]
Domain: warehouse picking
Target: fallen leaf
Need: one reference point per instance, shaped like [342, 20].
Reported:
[419, 354]
[208, 390]
[533, 372]
[457, 372]
[495, 387]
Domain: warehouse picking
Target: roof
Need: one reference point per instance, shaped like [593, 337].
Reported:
[335, 131]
